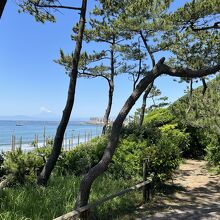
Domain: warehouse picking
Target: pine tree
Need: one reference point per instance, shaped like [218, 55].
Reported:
[151, 20]
[39, 9]
[102, 30]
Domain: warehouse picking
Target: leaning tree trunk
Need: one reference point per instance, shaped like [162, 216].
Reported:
[2, 6]
[51, 161]
[143, 107]
[100, 168]
[108, 109]
[97, 170]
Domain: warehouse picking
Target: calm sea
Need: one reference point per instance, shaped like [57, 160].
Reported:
[25, 132]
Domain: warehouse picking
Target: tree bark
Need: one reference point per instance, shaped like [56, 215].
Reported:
[109, 106]
[2, 6]
[143, 107]
[51, 161]
[111, 90]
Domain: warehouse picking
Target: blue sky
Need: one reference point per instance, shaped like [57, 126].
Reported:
[31, 83]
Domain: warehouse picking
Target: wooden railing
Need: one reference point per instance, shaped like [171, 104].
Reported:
[83, 212]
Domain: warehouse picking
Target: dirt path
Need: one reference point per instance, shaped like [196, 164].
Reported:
[197, 197]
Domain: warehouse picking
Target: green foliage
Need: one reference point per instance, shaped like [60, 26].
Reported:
[78, 160]
[24, 166]
[213, 152]
[21, 166]
[158, 117]
[32, 202]
[127, 161]
[164, 160]
[160, 139]
[41, 14]
[199, 116]
[195, 11]
[165, 153]
[119, 206]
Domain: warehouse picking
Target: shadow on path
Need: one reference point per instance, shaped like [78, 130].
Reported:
[195, 196]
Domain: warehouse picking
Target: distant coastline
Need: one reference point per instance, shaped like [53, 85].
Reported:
[95, 121]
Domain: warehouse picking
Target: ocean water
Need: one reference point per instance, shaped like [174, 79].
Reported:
[25, 132]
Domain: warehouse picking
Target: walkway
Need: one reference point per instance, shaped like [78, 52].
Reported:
[197, 197]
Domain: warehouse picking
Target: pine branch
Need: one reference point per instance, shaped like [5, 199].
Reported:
[148, 48]
[216, 25]
[56, 6]
[186, 72]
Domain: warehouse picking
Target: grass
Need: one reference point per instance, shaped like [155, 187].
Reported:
[33, 202]
[37, 203]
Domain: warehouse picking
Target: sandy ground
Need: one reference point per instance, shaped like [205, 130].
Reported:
[197, 197]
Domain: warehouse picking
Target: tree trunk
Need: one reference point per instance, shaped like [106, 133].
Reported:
[109, 106]
[111, 89]
[51, 161]
[143, 107]
[99, 169]
[2, 6]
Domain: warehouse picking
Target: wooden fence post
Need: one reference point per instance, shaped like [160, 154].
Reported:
[85, 136]
[72, 140]
[78, 138]
[36, 140]
[146, 188]
[88, 137]
[21, 142]
[44, 137]
[85, 215]
[67, 143]
[13, 143]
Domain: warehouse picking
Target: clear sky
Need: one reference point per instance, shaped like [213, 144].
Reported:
[31, 83]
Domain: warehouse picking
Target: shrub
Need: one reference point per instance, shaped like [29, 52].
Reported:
[21, 166]
[165, 154]
[213, 152]
[127, 161]
[163, 160]
[78, 160]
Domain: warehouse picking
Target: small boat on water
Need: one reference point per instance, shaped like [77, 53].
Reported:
[19, 124]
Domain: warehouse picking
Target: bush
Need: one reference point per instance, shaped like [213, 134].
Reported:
[21, 166]
[165, 154]
[163, 160]
[213, 152]
[163, 142]
[78, 160]
[127, 161]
